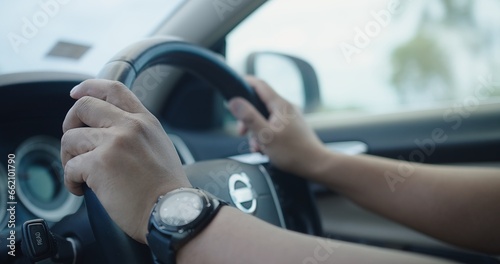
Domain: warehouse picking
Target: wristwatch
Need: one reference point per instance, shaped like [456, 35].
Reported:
[176, 218]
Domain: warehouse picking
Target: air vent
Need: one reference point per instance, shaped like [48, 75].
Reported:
[68, 50]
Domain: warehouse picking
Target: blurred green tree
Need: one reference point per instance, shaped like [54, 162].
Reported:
[422, 64]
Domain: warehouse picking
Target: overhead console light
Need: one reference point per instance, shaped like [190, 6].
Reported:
[68, 50]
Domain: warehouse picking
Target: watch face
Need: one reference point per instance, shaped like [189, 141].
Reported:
[180, 208]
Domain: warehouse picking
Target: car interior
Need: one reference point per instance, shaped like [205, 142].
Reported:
[183, 59]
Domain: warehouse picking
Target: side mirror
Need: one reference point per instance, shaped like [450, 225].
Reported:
[292, 77]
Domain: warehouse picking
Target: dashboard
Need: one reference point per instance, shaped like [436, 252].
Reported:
[34, 106]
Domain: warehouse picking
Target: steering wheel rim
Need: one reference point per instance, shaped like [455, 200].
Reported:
[205, 64]
[126, 67]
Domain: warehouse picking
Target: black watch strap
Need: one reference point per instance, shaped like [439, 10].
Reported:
[162, 247]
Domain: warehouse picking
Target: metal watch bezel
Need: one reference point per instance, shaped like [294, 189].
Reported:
[207, 204]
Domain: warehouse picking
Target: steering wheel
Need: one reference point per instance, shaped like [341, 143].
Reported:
[260, 196]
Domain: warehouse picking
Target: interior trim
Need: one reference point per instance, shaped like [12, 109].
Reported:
[251, 158]
[274, 195]
[39, 77]
[348, 147]
[182, 149]
[345, 147]
[341, 216]
[217, 19]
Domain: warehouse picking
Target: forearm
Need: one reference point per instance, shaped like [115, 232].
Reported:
[457, 205]
[234, 237]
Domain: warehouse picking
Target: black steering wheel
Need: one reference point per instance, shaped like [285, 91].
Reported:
[126, 67]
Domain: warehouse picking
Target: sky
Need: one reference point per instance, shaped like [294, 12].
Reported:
[316, 31]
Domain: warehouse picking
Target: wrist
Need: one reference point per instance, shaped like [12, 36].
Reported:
[323, 163]
[312, 163]
[205, 237]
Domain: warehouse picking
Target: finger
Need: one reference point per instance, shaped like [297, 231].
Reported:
[79, 141]
[76, 173]
[113, 92]
[242, 129]
[247, 114]
[264, 91]
[92, 112]
[254, 145]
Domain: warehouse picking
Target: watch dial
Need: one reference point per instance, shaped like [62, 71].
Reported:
[181, 208]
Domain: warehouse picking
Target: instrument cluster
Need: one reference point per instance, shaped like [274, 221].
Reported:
[39, 183]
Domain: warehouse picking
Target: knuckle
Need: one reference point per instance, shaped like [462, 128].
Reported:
[109, 154]
[119, 93]
[83, 105]
[65, 140]
[117, 86]
[125, 138]
[65, 156]
[137, 125]
[120, 141]
[69, 169]
[284, 107]
[111, 157]
[94, 137]
[248, 120]
[67, 172]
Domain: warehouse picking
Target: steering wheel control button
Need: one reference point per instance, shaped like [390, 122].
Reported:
[247, 187]
[242, 193]
[38, 243]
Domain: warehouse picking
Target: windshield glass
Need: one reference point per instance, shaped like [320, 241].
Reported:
[379, 56]
[74, 36]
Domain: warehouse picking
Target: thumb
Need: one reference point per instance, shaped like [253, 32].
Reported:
[246, 113]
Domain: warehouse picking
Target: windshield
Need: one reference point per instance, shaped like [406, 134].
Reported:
[74, 36]
[379, 56]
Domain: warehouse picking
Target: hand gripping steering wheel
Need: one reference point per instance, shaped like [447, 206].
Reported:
[265, 204]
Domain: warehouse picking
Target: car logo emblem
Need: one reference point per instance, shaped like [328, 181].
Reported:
[244, 197]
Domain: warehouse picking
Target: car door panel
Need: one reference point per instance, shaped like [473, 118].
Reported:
[472, 141]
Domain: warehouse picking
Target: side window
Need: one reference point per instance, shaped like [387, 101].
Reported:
[379, 56]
